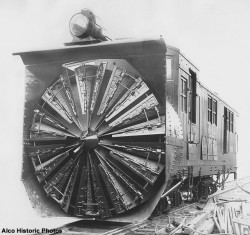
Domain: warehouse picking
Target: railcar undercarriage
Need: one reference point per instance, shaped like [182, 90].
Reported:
[190, 189]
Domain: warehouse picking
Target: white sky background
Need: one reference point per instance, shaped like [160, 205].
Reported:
[214, 34]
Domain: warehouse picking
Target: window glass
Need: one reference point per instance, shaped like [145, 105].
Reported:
[209, 114]
[169, 68]
[212, 110]
[214, 119]
[183, 94]
[231, 122]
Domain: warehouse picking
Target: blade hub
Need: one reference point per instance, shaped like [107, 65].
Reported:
[91, 141]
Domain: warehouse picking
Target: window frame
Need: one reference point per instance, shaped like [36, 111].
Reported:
[209, 109]
[212, 110]
[183, 94]
[232, 121]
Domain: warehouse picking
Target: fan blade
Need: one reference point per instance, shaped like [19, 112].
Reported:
[152, 151]
[152, 127]
[85, 79]
[41, 131]
[67, 195]
[59, 98]
[68, 95]
[138, 89]
[103, 207]
[99, 78]
[55, 186]
[148, 104]
[41, 115]
[118, 84]
[111, 186]
[84, 202]
[148, 170]
[43, 170]
[129, 184]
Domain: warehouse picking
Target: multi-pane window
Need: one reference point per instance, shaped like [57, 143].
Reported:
[230, 120]
[212, 110]
[183, 95]
[214, 115]
[228, 127]
[192, 97]
[209, 109]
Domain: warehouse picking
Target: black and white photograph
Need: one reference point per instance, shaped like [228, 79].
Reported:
[125, 117]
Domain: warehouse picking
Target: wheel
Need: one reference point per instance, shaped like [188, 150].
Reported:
[97, 139]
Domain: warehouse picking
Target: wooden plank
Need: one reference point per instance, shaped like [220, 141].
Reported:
[242, 221]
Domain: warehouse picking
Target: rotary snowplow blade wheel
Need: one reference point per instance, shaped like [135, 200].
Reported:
[97, 137]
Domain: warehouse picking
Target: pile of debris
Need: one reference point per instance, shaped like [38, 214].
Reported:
[226, 212]
[231, 217]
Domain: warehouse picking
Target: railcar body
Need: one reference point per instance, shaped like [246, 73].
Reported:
[209, 123]
[110, 126]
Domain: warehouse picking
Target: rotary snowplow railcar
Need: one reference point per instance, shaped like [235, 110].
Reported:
[111, 127]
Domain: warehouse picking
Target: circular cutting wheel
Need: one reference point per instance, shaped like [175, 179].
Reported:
[98, 134]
